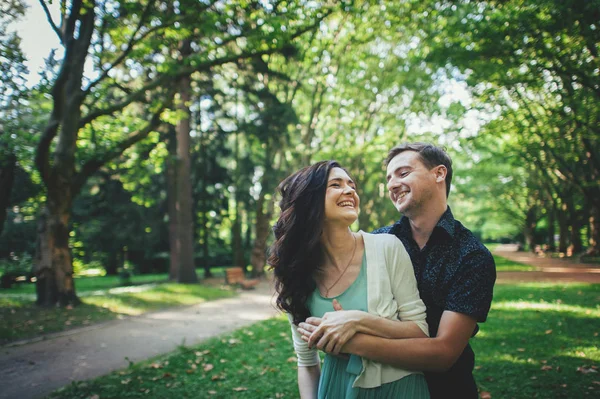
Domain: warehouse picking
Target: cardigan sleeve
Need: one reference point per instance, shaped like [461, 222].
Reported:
[404, 285]
[305, 355]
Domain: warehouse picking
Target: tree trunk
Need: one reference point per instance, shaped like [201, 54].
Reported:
[53, 265]
[551, 229]
[258, 258]
[563, 230]
[187, 271]
[529, 230]
[236, 230]
[172, 169]
[575, 228]
[7, 177]
[594, 231]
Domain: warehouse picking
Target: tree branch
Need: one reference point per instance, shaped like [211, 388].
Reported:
[93, 165]
[51, 21]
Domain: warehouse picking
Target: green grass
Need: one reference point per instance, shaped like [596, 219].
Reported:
[86, 284]
[531, 326]
[505, 265]
[20, 318]
[536, 338]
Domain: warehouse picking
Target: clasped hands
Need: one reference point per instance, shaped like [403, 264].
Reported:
[332, 331]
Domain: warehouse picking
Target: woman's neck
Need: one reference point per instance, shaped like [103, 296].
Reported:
[337, 242]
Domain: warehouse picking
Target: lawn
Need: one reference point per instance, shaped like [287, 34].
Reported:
[20, 318]
[540, 341]
[505, 265]
[88, 284]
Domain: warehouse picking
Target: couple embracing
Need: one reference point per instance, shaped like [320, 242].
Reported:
[393, 310]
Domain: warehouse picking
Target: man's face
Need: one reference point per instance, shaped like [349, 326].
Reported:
[410, 184]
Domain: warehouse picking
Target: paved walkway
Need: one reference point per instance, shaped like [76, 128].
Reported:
[36, 369]
[550, 270]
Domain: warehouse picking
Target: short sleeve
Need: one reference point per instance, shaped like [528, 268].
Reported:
[472, 288]
[305, 355]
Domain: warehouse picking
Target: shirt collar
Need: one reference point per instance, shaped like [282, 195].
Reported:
[446, 223]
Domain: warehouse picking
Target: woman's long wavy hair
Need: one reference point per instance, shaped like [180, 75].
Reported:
[297, 253]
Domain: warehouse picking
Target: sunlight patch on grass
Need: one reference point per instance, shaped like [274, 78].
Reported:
[543, 306]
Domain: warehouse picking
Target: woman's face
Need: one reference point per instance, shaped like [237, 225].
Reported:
[341, 200]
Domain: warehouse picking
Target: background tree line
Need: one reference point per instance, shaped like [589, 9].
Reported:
[157, 136]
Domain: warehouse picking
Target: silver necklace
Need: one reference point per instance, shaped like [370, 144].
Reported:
[336, 266]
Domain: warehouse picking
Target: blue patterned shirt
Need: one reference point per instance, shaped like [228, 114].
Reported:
[455, 272]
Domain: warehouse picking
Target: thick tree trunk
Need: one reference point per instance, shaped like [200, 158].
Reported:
[53, 265]
[7, 177]
[594, 248]
[187, 271]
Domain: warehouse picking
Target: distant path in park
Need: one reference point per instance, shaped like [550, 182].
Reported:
[35, 369]
[549, 270]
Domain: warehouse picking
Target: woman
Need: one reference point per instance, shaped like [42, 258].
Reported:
[321, 266]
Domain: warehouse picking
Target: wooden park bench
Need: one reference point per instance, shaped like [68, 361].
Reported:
[235, 275]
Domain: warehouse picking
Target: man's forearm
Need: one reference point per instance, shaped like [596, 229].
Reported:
[424, 354]
[385, 328]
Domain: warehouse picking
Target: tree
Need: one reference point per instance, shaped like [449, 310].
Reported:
[79, 103]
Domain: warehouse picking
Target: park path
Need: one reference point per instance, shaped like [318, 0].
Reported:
[35, 369]
[551, 270]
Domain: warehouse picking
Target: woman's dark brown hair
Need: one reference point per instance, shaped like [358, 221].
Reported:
[297, 253]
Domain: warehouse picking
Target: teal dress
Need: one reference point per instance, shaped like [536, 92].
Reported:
[338, 373]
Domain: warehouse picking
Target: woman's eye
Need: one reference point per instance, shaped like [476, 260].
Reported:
[404, 174]
[334, 185]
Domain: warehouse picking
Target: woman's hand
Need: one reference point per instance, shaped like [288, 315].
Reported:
[331, 332]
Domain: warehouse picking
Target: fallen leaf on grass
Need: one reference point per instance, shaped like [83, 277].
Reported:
[126, 381]
[156, 366]
[208, 367]
[548, 332]
[233, 341]
[240, 389]
[586, 370]
[546, 368]
[212, 392]
[485, 395]
[95, 397]
[189, 371]
[520, 349]
[292, 359]
[218, 377]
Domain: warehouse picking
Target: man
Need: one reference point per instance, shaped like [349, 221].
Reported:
[455, 275]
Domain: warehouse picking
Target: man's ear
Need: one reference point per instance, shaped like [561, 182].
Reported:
[440, 173]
